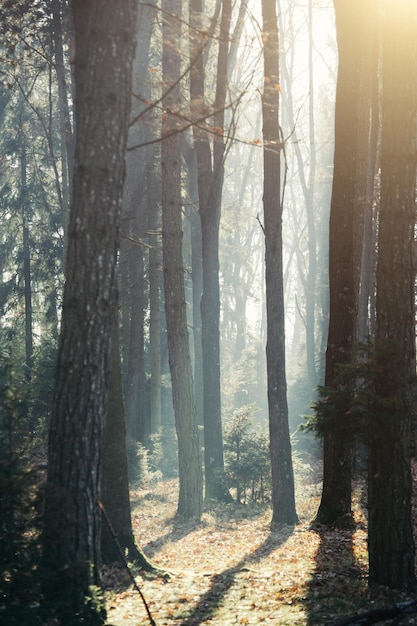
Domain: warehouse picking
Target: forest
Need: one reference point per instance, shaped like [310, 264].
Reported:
[208, 399]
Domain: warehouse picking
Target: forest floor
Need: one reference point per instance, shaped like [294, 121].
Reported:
[232, 569]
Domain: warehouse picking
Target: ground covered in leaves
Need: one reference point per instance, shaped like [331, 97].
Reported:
[233, 569]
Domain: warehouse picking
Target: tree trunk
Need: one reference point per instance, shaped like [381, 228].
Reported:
[27, 273]
[196, 275]
[104, 49]
[390, 533]
[189, 456]
[283, 499]
[134, 256]
[155, 266]
[210, 164]
[345, 235]
[114, 471]
[67, 135]
[115, 496]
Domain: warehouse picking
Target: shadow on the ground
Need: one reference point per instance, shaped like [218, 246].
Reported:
[337, 580]
[180, 528]
[221, 583]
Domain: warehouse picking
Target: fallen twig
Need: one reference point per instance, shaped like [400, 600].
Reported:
[125, 563]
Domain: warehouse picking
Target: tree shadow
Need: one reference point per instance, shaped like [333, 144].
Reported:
[179, 529]
[221, 583]
[337, 583]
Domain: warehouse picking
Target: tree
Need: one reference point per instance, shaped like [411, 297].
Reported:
[210, 165]
[137, 204]
[104, 36]
[390, 533]
[345, 237]
[189, 456]
[283, 498]
[117, 532]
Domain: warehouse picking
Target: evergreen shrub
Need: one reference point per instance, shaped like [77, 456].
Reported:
[247, 459]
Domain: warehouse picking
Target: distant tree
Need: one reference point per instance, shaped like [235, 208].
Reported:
[137, 205]
[104, 39]
[189, 456]
[283, 497]
[210, 166]
[59, 30]
[390, 539]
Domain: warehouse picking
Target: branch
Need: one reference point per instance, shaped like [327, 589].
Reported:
[125, 563]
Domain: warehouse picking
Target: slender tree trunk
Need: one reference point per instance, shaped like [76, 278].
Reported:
[67, 136]
[390, 531]
[104, 50]
[196, 275]
[155, 270]
[134, 255]
[283, 498]
[189, 456]
[27, 272]
[210, 165]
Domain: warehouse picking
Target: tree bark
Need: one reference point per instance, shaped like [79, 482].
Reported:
[390, 531]
[283, 498]
[345, 236]
[104, 34]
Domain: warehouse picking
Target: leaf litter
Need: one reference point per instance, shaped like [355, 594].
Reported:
[231, 568]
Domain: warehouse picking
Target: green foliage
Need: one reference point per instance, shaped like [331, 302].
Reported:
[19, 508]
[248, 468]
[71, 605]
[158, 460]
[163, 455]
[364, 390]
[137, 459]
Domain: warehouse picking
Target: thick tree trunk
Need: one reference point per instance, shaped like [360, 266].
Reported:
[390, 533]
[283, 498]
[345, 236]
[104, 49]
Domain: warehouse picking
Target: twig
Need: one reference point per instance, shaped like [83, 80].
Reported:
[125, 563]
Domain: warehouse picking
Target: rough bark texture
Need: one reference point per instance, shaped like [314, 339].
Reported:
[104, 48]
[345, 236]
[189, 455]
[390, 539]
[114, 472]
[283, 499]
